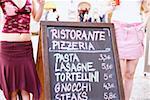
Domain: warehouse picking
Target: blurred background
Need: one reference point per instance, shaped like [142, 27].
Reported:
[88, 11]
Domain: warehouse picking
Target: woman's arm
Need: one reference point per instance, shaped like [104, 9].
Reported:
[146, 6]
[145, 11]
[37, 10]
[111, 5]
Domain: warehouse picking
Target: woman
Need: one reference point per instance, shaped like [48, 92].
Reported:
[128, 23]
[17, 66]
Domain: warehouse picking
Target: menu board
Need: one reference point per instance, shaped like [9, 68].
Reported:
[81, 61]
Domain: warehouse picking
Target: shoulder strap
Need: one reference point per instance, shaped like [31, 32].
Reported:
[2, 1]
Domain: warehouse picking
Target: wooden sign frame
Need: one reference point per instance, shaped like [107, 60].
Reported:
[43, 62]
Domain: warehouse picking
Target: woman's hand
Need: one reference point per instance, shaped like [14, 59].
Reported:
[111, 6]
[41, 3]
[113, 3]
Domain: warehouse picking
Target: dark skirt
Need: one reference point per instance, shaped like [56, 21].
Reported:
[17, 68]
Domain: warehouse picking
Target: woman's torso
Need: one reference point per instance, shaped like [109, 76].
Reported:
[128, 11]
[16, 27]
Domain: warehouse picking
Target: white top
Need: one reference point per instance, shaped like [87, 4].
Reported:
[128, 11]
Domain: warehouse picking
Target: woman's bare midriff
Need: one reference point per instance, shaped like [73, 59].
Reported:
[15, 37]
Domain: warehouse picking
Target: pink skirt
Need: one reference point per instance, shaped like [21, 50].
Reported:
[17, 68]
[129, 39]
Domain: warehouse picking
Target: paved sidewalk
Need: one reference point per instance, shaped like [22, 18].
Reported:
[141, 87]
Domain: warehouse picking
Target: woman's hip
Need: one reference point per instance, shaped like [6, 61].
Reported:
[15, 37]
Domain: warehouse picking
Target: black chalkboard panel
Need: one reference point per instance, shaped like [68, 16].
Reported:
[80, 61]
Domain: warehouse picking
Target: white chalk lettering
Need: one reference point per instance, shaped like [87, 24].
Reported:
[71, 57]
[72, 96]
[72, 67]
[65, 34]
[78, 76]
[68, 45]
[72, 87]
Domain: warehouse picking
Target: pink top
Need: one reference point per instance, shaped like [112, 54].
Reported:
[20, 21]
[128, 11]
